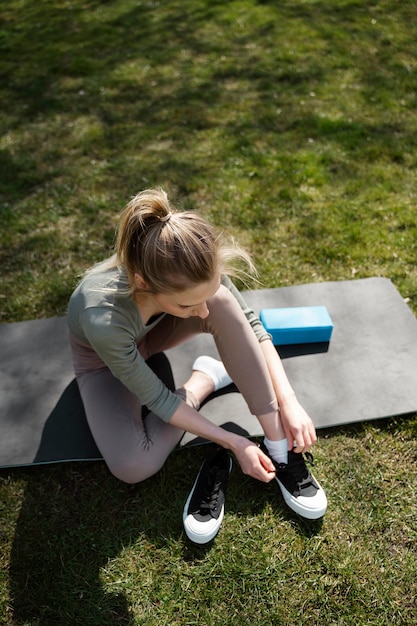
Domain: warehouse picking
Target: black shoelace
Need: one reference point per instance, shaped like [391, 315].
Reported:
[297, 467]
[209, 502]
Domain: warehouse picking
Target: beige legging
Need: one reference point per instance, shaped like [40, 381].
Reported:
[134, 447]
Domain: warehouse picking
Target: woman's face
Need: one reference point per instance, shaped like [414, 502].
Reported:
[191, 302]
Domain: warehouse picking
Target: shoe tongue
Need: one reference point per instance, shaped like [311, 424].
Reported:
[211, 478]
[298, 467]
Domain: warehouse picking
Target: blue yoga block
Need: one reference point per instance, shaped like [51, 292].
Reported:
[292, 325]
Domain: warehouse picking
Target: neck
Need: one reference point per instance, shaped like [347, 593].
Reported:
[146, 306]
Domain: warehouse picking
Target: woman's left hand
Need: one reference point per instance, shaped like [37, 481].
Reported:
[297, 425]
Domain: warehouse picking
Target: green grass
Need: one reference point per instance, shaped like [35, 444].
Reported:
[293, 125]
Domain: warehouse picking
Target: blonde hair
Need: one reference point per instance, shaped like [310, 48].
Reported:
[172, 250]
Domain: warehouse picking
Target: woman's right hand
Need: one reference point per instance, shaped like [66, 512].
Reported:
[252, 460]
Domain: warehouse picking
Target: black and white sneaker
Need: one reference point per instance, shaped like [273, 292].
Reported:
[301, 491]
[204, 509]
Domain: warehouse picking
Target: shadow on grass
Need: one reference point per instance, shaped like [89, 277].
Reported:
[76, 519]
[71, 522]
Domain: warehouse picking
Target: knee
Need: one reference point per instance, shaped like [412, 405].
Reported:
[132, 471]
[224, 305]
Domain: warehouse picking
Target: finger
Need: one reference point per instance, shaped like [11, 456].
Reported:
[300, 443]
[266, 475]
[269, 476]
[303, 443]
[310, 438]
[290, 439]
[266, 462]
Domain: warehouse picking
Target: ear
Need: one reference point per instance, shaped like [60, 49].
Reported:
[140, 283]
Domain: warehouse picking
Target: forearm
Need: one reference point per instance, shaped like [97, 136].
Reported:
[187, 418]
[251, 459]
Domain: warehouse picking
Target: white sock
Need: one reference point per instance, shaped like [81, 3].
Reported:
[278, 450]
[213, 368]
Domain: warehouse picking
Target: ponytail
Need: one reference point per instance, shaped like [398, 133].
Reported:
[171, 250]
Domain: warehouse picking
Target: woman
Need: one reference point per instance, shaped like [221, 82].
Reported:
[168, 281]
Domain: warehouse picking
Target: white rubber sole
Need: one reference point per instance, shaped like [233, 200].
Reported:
[201, 532]
[310, 508]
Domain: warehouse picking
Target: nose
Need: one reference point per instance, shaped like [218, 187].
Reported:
[201, 310]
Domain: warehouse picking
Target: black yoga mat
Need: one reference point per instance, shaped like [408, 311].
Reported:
[367, 371]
